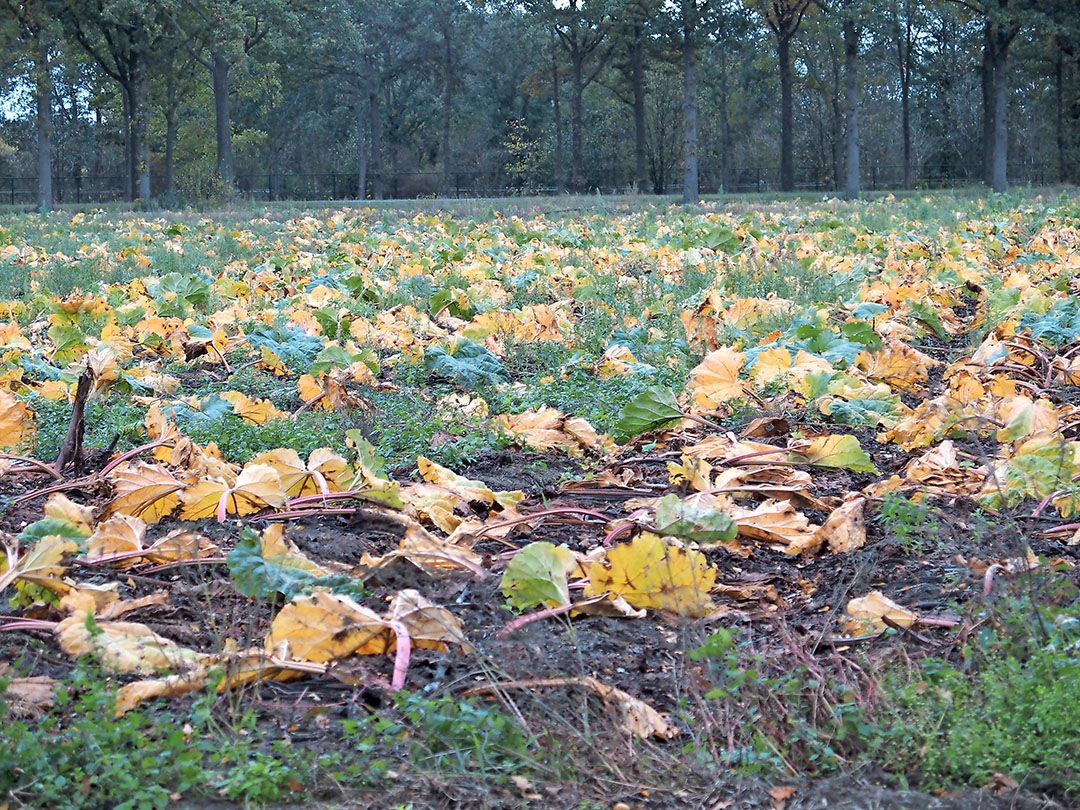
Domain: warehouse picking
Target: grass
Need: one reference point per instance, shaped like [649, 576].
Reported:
[78, 755]
[1004, 705]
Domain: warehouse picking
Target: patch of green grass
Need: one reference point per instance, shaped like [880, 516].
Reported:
[461, 736]
[105, 418]
[1011, 708]
[784, 718]
[793, 280]
[303, 432]
[910, 523]
[80, 756]
[1005, 704]
[404, 426]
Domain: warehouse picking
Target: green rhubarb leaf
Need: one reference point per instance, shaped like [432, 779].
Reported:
[536, 576]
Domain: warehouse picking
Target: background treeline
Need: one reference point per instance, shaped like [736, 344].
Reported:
[186, 99]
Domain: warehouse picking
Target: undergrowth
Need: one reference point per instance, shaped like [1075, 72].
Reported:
[79, 755]
[1003, 703]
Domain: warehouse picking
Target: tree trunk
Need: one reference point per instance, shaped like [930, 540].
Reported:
[43, 101]
[637, 79]
[171, 126]
[377, 188]
[577, 124]
[787, 116]
[987, 77]
[905, 104]
[139, 133]
[851, 99]
[1059, 113]
[223, 118]
[725, 120]
[999, 172]
[448, 106]
[690, 111]
[558, 168]
[361, 148]
[128, 105]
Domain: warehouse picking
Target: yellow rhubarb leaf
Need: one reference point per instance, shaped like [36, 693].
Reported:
[650, 573]
[257, 487]
[147, 491]
[255, 411]
[715, 380]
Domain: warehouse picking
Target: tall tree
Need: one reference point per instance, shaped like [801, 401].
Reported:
[851, 20]
[634, 34]
[126, 38]
[1001, 21]
[581, 27]
[219, 34]
[691, 15]
[900, 26]
[32, 37]
[783, 18]
[450, 20]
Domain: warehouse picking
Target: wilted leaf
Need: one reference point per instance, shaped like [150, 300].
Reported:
[866, 613]
[255, 411]
[841, 451]
[649, 573]
[27, 696]
[689, 521]
[715, 380]
[323, 472]
[325, 626]
[257, 487]
[844, 530]
[147, 491]
[121, 646]
[430, 627]
[16, 421]
[776, 522]
[536, 576]
[42, 564]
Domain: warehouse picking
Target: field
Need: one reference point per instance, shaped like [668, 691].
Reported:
[582, 504]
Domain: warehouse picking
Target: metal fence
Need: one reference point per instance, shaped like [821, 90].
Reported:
[334, 185]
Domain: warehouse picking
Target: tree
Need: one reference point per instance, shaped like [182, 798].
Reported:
[33, 36]
[581, 28]
[691, 15]
[783, 17]
[450, 21]
[126, 38]
[174, 85]
[1001, 21]
[633, 34]
[852, 14]
[219, 34]
[900, 26]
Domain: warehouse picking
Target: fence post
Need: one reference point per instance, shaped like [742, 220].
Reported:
[78, 187]
[333, 185]
[11, 181]
[873, 180]
[269, 187]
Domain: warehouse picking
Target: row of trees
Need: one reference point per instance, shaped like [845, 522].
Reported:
[559, 94]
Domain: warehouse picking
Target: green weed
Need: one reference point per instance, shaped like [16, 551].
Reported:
[909, 523]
